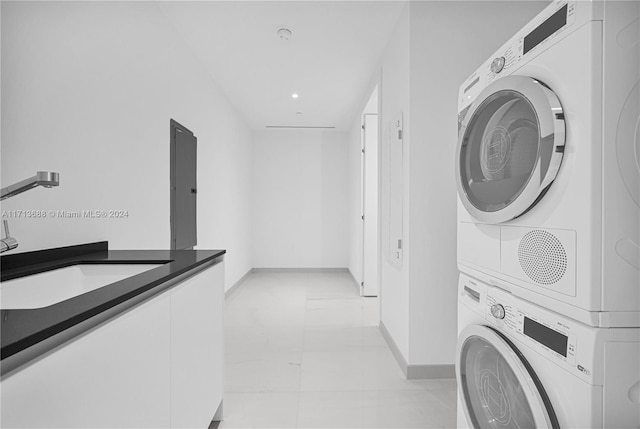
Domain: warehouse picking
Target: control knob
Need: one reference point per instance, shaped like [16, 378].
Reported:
[497, 64]
[497, 311]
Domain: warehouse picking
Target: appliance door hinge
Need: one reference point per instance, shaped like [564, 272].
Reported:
[399, 134]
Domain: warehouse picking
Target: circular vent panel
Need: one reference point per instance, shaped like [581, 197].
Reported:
[542, 257]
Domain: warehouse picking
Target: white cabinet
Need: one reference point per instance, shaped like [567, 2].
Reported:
[110, 376]
[197, 317]
[156, 365]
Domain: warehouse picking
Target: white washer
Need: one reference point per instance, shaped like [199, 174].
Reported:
[548, 163]
[521, 366]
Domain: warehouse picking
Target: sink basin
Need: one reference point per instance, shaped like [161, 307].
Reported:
[48, 288]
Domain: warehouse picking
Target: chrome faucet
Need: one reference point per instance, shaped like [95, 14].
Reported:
[47, 179]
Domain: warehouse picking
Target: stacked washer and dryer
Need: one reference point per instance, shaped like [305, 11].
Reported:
[548, 175]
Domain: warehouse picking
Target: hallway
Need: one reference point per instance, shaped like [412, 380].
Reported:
[304, 350]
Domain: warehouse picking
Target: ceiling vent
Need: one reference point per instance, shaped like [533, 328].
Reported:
[296, 126]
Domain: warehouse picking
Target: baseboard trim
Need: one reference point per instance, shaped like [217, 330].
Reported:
[431, 372]
[237, 284]
[219, 415]
[355, 282]
[395, 351]
[416, 372]
[300, 270]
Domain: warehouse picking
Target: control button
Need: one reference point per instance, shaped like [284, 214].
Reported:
[497, 65]
[497, 311]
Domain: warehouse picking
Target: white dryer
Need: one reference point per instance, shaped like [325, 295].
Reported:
[548, 163]
[521, 366]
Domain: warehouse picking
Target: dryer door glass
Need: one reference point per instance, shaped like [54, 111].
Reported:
[508, 148]
[501, 151]
[497, 387]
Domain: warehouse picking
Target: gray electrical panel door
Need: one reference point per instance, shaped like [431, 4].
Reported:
[183, 187]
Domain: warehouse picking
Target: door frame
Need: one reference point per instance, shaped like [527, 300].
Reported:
[364, 290]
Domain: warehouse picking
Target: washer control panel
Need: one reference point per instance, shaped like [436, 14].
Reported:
[562, 341]
[552, 337]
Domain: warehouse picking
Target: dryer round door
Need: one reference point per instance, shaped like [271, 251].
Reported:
[510, 147]
[497, 386]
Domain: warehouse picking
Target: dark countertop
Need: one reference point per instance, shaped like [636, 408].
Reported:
[24, 328]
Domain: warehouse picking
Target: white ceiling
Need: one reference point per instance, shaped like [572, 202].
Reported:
[329, 60]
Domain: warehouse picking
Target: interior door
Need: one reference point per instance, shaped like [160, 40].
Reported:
[371, 241]
[183, 187]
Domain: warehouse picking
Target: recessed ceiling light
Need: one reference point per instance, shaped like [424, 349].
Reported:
[294, 95]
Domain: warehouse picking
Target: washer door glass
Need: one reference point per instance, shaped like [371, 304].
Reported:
[498, 389]
[501, 151]
[510, 148]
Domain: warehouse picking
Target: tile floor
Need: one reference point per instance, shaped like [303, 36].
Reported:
[303, 350]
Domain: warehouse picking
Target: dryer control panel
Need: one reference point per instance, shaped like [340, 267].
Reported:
[541, 32]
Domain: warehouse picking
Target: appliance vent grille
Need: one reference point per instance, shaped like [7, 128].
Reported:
[542, 257]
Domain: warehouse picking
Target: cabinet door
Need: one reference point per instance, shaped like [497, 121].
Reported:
[111, 376]
[197, 316]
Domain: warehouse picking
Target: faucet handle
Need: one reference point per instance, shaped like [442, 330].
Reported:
[7, 243]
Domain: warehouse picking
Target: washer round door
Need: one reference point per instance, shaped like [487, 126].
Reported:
[510, 147]
[497, 386]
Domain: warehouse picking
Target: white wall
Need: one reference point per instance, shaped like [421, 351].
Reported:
[300, 193]
[472, 31]
[394, 98]
[436, 45]
[88, 89]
